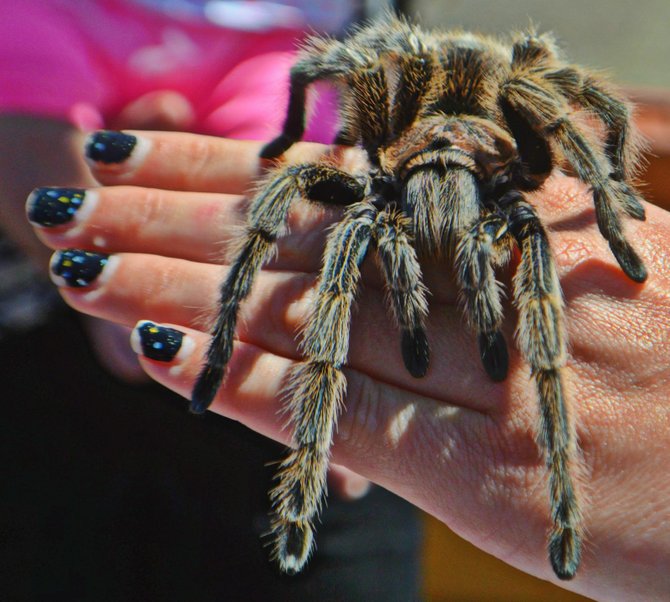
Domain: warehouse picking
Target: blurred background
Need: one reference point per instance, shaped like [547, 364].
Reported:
[629, 40]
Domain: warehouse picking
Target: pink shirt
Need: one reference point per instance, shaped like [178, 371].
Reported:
[84, 60]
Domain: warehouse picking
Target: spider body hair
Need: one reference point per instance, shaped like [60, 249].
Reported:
[458, 128]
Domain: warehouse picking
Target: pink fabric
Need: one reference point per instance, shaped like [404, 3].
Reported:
[84, 60]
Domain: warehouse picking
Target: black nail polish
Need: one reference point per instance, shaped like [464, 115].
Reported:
[78, 268]
[54, 206]
[158, 342]
[110, 147]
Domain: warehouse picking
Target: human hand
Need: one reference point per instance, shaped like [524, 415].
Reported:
[159, 110]
[454, 443]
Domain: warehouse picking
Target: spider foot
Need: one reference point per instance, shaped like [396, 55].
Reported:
[629, 260]
[205, 389]
[293, 545]
[415, 352]
[277, 147]
[630, 202]
[565, 549]
[493, 351]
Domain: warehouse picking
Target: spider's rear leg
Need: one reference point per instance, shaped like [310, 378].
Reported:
[621, 143]
[317, 388]
[480, 249]
[266, 222]
[294, 123]
[541, 337]
[354, 65]
[539, 54]
[536, 104]
[406, 292]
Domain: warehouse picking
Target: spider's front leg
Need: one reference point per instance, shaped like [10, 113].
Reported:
[266, 222]
[480, 249]
[317, 388]
[541, 337]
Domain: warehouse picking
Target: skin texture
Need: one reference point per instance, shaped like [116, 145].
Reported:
[454, 443]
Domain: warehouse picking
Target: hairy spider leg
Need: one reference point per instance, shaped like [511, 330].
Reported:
[358, 62]
[317, 387]
[621, 143]
[323, 60]
[398, 46]
[266, 222]
[541, 338]
[480, 291]
[369, 109]
[415, 72]
[530, 98]
[405, 290]
[587, 91]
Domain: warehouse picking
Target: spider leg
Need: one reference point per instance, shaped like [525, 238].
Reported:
[412, 57]
[541, 337]
[614, 113]
[533, 101]
[621, 144]
[329, 60]
[480, 291]
[415, 72]
[266, 222]
[316, 390]
[358, 64]
[406, 292]
[323, 59]
[369, 109]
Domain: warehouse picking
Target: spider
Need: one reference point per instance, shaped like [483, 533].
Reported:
[457, 128]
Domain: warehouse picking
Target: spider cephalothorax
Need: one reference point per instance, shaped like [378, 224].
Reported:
[457, 129]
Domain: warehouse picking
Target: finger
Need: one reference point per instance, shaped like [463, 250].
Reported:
[347, 484]
[179, 161]
[171, 356]
[126, 287]
[379, 419]
[159, 110]
[188, 225]
[203, 227]
[129, 286]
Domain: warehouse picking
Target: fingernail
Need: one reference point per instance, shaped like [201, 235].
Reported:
[76, 268]
[54, 206]
[110, 147]
[160, 343]
[356, 487]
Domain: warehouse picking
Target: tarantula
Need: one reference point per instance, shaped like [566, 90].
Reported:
[457, 129]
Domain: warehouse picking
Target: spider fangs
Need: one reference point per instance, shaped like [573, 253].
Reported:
[458, 128]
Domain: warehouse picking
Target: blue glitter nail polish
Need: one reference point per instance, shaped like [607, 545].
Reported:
[110, 147]
[78, 268]
[54, 206]
[159, 342]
